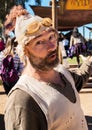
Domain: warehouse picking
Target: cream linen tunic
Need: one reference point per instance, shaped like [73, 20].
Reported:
[60, 112]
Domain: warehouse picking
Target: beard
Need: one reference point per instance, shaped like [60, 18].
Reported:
[44, 64]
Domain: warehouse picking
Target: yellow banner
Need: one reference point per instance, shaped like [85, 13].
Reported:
[78, 5]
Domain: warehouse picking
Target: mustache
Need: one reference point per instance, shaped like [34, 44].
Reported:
[51, 53]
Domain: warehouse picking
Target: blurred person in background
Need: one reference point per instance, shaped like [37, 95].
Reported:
[10, 50]
[65, 42]
[77, 43]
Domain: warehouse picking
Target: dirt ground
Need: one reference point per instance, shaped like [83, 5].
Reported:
[86, 103]
[85, 98]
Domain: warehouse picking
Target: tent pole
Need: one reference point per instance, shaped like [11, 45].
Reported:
[54, 14]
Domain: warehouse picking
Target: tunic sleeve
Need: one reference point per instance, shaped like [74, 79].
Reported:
[82, 74]
[23, 113]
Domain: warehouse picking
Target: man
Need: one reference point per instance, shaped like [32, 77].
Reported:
[45, 97]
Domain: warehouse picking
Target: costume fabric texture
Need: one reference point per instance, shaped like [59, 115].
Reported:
[48, 99]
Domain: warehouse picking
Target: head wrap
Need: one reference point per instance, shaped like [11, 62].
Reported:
[27, 28]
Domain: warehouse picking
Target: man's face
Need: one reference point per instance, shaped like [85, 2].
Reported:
[42, 51]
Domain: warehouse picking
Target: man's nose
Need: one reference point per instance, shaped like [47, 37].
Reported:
[51, 46]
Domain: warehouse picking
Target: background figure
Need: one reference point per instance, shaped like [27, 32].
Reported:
[63, 52]
[65, 42]
[77, 42]
[10, 49]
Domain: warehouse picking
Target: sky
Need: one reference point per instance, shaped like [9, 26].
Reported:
[87, 35]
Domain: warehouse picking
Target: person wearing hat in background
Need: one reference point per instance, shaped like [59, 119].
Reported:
[77, 42]
[45, 96]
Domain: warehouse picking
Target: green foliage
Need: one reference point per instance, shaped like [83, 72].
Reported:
[6, 5]
[73, 60]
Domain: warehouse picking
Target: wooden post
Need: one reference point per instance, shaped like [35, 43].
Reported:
[62, 6]
[55, 25]
[54, 14]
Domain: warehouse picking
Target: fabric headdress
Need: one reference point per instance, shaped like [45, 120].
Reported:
[27, 28]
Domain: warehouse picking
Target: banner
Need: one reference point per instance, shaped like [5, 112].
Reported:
[78, 5]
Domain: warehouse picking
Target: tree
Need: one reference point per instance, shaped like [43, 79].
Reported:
[6, 5]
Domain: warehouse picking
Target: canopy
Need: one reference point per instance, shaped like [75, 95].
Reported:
[68, 20]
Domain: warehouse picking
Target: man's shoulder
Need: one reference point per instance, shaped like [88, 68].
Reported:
[19, 101]
[18, 98]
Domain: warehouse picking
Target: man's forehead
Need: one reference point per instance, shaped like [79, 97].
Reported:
[45, 32]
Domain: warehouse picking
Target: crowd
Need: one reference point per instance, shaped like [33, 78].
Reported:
[10, 64]
[6, 67]
[45, 96]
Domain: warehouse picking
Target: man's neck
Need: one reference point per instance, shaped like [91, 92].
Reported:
[46, 76]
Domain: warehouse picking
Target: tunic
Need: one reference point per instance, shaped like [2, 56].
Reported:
[44, 106]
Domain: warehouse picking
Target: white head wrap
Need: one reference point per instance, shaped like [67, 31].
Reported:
[27, 28]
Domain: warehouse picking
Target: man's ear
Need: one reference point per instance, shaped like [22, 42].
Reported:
[60, 55]
[26, 51]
